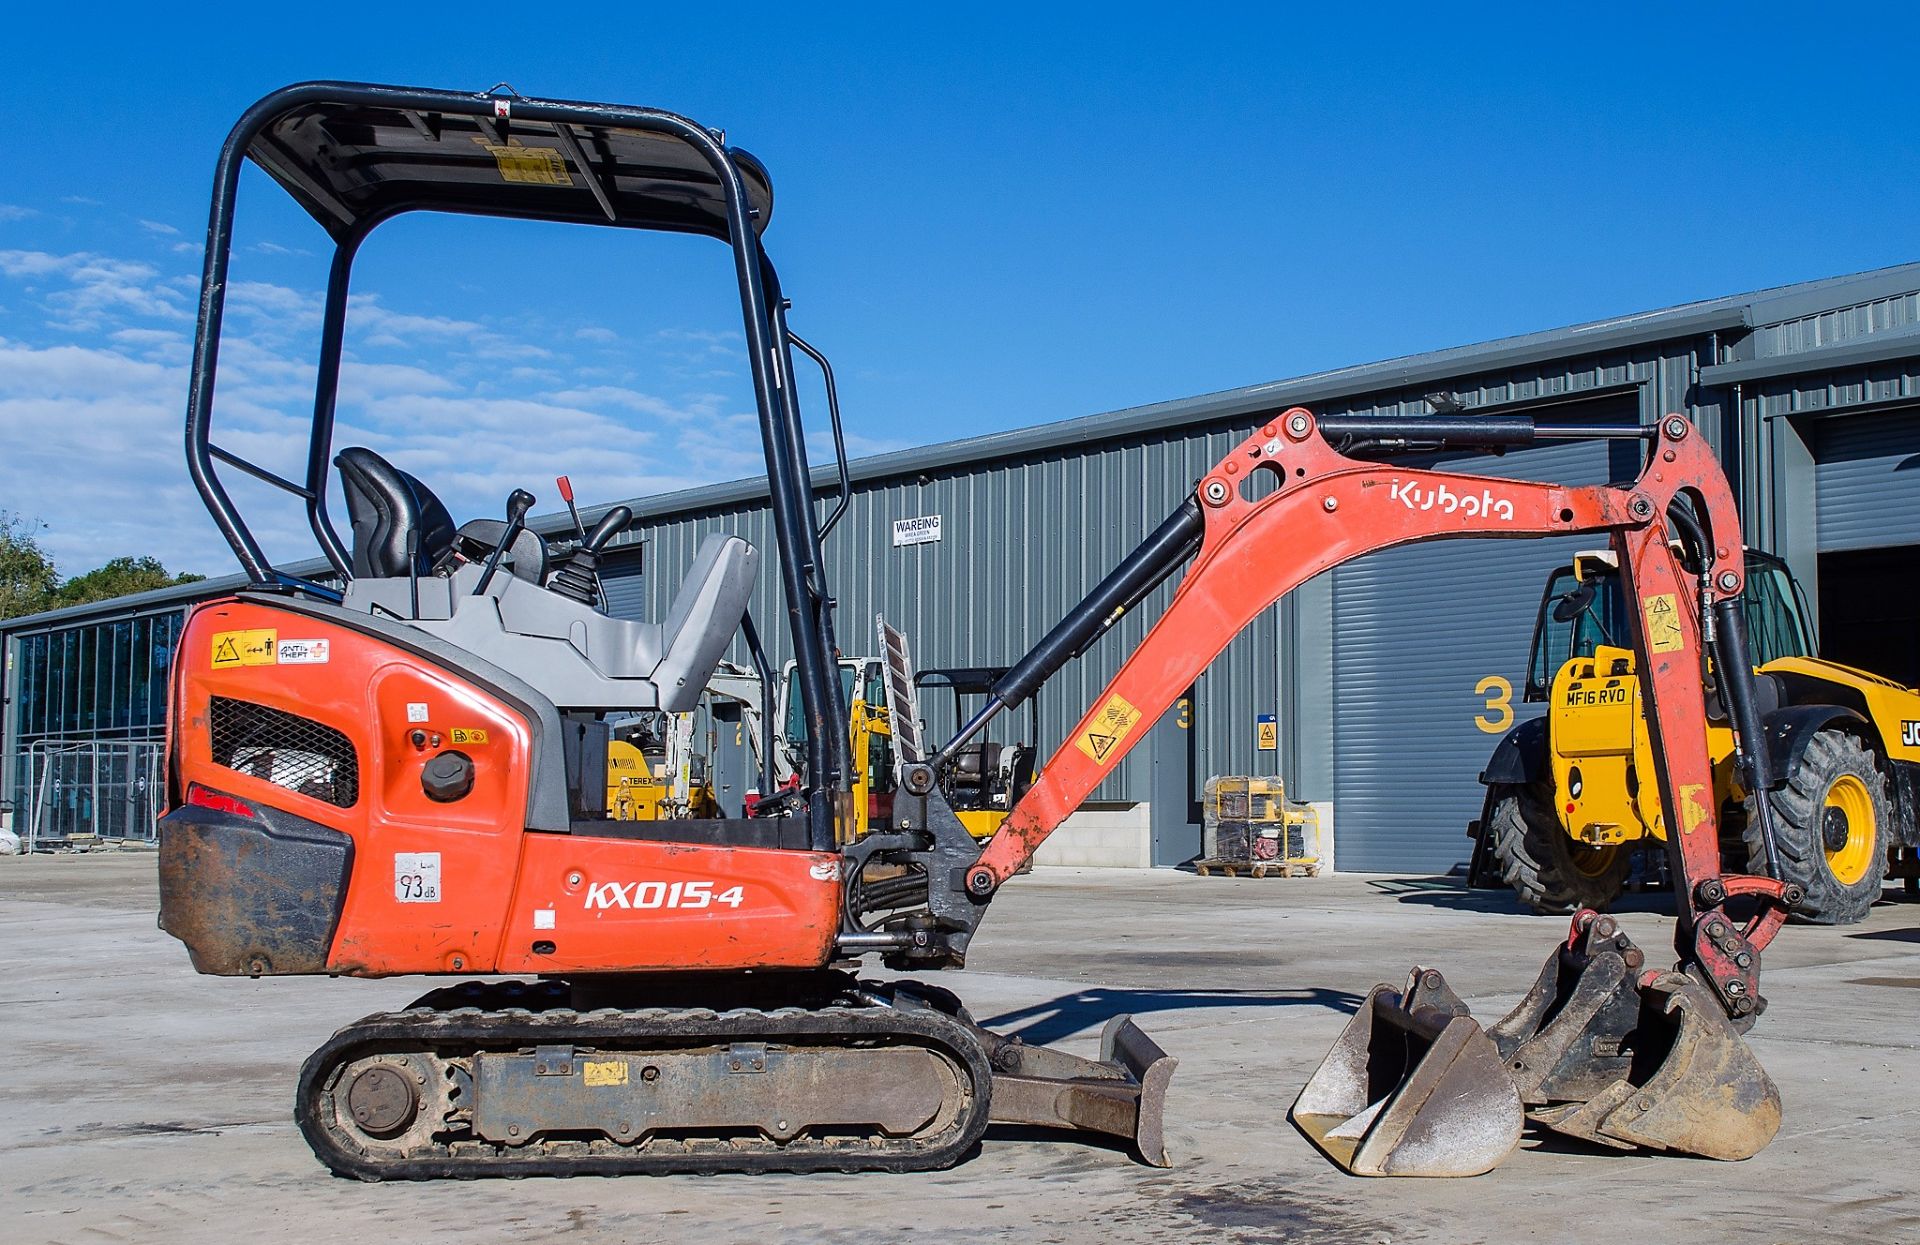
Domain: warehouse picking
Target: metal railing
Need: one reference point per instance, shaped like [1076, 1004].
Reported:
[81, 792]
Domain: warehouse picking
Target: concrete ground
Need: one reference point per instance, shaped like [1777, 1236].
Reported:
[139, 1102]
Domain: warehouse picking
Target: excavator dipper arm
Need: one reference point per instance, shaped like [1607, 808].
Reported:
[1325, 509]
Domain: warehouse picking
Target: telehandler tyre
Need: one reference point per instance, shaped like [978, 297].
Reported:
[1832, 818]
[1541, 862]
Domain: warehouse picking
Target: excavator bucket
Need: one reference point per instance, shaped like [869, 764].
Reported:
[1597, 1050]
[1123, 1094]
[1601, 1052]
[1412, 1088]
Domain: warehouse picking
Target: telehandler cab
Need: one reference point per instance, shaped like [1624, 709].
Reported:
[408, 775]
[1567, 806]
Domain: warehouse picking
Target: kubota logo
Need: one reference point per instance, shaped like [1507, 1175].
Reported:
[697, 894]
[1486, 505]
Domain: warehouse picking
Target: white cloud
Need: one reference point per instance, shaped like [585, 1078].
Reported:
[95, 288]
[13, 211]
[155, 226]
[90, 428]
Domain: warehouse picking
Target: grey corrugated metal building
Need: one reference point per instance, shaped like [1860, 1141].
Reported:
[1390, 677]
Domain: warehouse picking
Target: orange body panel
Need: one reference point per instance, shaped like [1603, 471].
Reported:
[609, 904]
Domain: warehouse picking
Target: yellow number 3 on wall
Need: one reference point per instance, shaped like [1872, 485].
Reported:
[1499, 711]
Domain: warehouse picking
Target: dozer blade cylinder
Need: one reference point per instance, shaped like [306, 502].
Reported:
[1123, 1094]
[1413, 1087]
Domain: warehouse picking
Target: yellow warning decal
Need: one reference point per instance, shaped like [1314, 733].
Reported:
[1693, 814]
[1109, 728]
[469, 735]
[1663, 625]
[529, 166]
[245, 648]
[612, 1072]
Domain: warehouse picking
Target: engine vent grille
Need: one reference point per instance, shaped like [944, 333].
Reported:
[286, 750]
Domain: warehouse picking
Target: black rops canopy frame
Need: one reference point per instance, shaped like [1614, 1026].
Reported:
[355, 155]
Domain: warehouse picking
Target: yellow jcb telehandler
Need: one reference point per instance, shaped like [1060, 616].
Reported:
[1567, 805]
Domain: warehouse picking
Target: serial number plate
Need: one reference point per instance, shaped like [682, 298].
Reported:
[416, 877]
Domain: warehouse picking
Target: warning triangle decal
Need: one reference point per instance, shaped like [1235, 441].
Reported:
[225, 651]
[1102, 744]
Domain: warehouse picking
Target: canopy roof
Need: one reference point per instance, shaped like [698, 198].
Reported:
[351, 154]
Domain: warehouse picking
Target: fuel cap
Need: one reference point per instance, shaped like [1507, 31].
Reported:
[447, 777]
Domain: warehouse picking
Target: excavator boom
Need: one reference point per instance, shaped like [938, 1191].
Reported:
[1675, 532]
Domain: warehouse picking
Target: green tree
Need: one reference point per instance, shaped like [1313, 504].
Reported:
[121, 577]
[28, 581]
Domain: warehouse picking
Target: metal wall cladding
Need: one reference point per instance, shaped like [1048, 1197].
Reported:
[1420, 634]
[1021, 543]
[623, 580]
[1023, 539]
[1867, 480]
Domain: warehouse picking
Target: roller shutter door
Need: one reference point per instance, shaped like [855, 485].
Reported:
[1416, 630]
[625, 587]
[1867, 476]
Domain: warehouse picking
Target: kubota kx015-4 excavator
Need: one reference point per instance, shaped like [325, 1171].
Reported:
[406, 774]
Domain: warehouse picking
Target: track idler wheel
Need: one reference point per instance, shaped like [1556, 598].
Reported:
[1412, 1088]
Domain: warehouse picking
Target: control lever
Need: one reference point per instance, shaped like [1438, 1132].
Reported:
[611, 524]
[578, 576]
[518, 503]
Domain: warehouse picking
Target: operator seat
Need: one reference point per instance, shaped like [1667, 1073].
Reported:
[385, 504]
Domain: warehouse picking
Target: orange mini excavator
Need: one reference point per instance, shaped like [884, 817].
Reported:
[402, 770]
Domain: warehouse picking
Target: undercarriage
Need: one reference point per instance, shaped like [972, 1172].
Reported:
[820, 1072]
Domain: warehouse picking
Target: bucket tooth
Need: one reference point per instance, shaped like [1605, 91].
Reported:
[1122, 1094]
[1413, 1087]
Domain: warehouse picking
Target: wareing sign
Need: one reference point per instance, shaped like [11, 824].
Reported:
[923, 530]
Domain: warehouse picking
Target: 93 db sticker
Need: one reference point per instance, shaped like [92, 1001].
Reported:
[1109, 728]
[416, 877]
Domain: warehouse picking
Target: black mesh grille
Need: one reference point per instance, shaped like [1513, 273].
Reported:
[285, 749]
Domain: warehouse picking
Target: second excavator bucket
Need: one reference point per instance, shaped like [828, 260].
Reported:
[1412, 1088]
[1599, 1052]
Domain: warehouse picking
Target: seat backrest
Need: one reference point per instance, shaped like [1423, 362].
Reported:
[385, 504]
[706, 612]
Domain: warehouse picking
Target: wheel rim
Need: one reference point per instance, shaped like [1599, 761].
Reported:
[1848, 829]
[1594, 862]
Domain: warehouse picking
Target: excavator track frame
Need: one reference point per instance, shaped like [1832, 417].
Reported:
[449, 1055]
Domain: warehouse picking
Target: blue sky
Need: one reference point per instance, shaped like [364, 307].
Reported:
[988, 218]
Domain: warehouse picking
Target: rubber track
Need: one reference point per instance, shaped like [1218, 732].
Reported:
[465, 1031]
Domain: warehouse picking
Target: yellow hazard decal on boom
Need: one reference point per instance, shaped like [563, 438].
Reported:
[1109, 728]
[1663, 625]
[245, 648]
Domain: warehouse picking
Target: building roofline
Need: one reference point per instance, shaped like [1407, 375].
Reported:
[155, 599]
[1737, 311]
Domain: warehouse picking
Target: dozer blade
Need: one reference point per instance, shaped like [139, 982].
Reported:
[1123, 1094]
[1412, 1088]
[1601, 1053]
